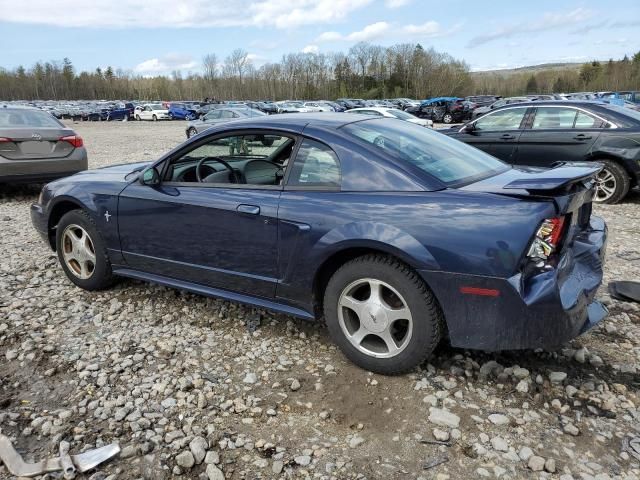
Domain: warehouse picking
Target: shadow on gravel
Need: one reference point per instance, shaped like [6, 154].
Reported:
[15, 192]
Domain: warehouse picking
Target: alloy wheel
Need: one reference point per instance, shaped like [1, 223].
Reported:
[78, 251]
[375, 318]
[606, 185]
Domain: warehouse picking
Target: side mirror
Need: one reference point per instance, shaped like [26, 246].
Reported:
[150, 177]
[468, 128]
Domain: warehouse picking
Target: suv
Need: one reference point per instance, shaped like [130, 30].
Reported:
[441, 109]
[182, 111]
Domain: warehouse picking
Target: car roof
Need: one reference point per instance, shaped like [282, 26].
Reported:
[375, 109]
[570, 103]
[298, 121]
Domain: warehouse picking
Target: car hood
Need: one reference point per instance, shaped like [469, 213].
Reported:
[112, 173]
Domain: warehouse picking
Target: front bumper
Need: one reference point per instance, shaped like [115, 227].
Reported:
[544, 311]
[40, 221]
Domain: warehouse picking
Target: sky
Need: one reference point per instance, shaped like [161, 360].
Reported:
[149, 37]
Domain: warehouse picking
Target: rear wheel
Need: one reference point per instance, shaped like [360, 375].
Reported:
[82, 252]
[154, 118]
[612, 183]
[191, 132]
[137, 117]
[382, 315]
[448, 118]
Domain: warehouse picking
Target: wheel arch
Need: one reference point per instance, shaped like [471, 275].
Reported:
[623, 163]
[57, 211]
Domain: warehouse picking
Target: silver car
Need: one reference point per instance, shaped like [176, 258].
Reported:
[220, 115]
[36, 147]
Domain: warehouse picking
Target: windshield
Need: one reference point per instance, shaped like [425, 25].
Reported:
[27, 118]
[401, 115]
[452, 162]
[157, 107]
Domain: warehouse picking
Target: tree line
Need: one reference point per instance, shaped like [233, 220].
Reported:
[364, 71]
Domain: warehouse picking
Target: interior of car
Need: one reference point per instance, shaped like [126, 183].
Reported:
[242, 159]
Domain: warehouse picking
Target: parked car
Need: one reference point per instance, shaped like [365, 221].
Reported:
[218, 116]
[291, 107]
[37, 147]
[392, 113]
[397, 236]
[629, 96]
[335, 106]
[544, 133]
[482, 100]
[122, 111]
[152, 111]
[346, 103]
[182, 111]
[317, 107]
[405, 103]
[268, 108]
[441, 109]
[478, 112]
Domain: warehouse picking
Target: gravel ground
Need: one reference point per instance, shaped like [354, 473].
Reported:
[193, 387]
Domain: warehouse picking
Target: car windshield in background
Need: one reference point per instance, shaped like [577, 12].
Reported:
[452, 162]
[157, 107]
[402, 115]
[14, 118]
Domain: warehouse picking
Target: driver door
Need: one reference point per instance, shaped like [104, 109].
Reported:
[220, 232]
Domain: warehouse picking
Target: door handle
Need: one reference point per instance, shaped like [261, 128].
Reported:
[248, 209]
[582, 136]
[508, 136]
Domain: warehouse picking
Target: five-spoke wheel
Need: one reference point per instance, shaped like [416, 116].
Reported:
[78, 251]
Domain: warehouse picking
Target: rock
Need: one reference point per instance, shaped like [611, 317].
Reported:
[214, 473]
[520, 373]
[250, 378]
[498, 419]
[536, 463]
[441, 435]
[550, 465]
[277, 466]
[443, 418]
[212, 457]
[489, 368]
[302, 460]
[295, 385]
[525, 453]
[522, 386]
[198, 447]
[355, 441]
[571, 429]
[128, 451]
[499, 444]
[581, 355]
[557, 377]
[185, 460]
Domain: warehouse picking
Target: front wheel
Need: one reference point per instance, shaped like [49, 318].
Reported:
[138, 118]
[612, 183]
[382, 315]
[82, 252]
[448, 118]
[191, 132]
[154, 118]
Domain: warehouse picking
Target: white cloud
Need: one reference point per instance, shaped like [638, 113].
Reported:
[427, 29]
[166, 64]
[178, 13]
[396, 3]
[310, 49]
[370, 32]
[549, 21]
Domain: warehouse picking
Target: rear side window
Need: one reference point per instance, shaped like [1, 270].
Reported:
[554, 117]
[315, 165]
[27, 118]
[587, 121]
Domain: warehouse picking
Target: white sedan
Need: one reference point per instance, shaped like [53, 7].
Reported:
[151, 111]
[392, 113]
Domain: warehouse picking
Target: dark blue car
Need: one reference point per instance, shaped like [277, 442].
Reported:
[182, 111]
[395, 235]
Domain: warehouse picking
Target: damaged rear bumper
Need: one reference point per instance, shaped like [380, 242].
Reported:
[542, 311]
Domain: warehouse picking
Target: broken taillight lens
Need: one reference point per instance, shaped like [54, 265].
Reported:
[547, 239]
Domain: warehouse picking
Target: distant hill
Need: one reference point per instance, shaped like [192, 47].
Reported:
[531, 69]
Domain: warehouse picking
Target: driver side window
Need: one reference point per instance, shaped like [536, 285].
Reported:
[247, 159]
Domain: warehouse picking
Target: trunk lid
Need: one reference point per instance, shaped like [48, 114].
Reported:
[35, 143]
[568, 185]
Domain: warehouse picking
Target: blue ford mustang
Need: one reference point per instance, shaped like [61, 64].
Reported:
[395, 235]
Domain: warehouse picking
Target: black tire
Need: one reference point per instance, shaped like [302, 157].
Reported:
[267, 142]
[618, 175]
[154, 118]
[428, 320]
[191, 132]
[137, 117]
[102, 276]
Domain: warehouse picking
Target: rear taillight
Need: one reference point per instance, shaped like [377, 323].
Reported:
[547, 240]
[5, 140]
[74, 140]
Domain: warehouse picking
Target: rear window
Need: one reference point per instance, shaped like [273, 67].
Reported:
[452, 162]
[14, 118]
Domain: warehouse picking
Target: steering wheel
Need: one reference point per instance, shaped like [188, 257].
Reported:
[219, 160]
